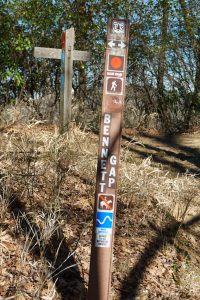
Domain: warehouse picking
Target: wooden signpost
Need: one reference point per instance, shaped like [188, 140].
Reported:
[108, 159]
[67, 55]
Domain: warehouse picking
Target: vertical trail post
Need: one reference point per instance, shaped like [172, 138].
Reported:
[108, 159]
[68, 40]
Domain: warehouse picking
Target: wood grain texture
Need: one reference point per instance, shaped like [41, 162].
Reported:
[52, 53]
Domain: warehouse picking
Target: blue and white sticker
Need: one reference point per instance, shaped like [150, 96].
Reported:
[103, 237]
[104, 220]
[104, 225]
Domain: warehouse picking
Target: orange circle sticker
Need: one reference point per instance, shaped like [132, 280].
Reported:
[116, 62]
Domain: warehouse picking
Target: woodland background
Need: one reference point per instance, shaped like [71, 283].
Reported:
[163, 76]
[47, 179]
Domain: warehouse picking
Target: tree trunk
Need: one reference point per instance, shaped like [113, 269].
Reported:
[161, 63]
[195, 45]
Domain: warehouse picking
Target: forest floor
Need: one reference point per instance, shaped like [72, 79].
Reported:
[47, 195]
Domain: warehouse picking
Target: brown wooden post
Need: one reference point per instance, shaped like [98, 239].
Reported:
[108, 160]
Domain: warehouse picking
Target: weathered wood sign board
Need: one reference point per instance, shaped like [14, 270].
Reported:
[108, 159]
[67, 55]
[54, 53]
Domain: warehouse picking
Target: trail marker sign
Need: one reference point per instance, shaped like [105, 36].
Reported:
[108, 159]
[67, 55]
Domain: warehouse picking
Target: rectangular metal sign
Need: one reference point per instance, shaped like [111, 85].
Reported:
[108, 159]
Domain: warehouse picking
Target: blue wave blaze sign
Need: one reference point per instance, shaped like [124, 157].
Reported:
[108, 159]
[104, 220]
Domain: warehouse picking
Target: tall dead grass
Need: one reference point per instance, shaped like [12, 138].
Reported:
[145, 182]
[37, 164]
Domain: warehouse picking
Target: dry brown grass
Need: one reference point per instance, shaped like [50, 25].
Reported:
[145, 181]
[47, 189]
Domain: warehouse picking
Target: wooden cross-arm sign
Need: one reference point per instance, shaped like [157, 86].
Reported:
[67, 55]
[54, 53]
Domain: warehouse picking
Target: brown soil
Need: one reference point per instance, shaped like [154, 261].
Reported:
[177, 153]
[155, 255]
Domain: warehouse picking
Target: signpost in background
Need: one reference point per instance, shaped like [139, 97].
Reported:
[67, 54]
[68, 40]
[108, 159]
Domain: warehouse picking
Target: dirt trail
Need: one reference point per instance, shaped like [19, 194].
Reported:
[179, 153]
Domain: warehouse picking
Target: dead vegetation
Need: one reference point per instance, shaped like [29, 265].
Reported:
[47, 193]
